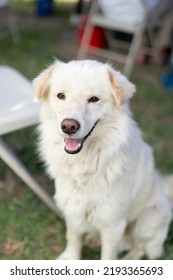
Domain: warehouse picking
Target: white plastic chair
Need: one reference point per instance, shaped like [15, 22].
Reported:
[116, 15]
[19, 108]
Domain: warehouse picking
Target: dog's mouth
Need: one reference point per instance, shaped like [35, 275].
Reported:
[75, 145]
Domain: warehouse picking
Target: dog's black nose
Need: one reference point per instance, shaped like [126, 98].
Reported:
[70, 126]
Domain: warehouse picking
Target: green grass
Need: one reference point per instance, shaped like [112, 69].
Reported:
[153, 109]
[29, 230]
[40, 41]
[35, 51]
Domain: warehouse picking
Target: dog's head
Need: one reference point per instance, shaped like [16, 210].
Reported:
[80, 94]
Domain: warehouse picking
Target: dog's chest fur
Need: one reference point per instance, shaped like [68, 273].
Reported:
[88, 190]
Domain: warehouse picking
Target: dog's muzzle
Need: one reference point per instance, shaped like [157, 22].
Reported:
[75, 145]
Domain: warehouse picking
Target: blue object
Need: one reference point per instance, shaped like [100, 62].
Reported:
[167, 78]
[44, 7]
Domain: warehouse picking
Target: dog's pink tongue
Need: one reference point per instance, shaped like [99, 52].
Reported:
[72, 145]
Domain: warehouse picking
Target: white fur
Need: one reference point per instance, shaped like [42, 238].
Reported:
[111, 184]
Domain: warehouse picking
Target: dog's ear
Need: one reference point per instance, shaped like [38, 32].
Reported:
[122, 88]
[42, 82]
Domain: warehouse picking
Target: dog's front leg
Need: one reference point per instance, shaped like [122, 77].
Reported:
[111, 237]
[74, 244]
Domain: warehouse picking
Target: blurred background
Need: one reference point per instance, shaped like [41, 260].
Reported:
[29, 230]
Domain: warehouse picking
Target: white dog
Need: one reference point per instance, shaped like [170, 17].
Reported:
[105, 178]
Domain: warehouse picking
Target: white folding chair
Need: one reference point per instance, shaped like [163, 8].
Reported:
[8, 23]
[116, 15]
[19, 108]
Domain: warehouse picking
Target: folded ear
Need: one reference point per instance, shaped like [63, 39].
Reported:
[122, 88]
[41, 83]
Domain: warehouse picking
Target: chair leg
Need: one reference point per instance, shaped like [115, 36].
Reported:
[84, 44]
[130, 61]
[13, 162]
[13, 28]
[87, 34]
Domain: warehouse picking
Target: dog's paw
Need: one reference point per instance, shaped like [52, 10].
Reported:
[64, 256]
[134, 254]
[67, 256]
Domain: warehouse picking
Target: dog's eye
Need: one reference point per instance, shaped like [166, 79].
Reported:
[93, 99]
[61, 95]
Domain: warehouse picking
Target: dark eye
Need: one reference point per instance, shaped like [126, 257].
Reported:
[93, 99]
[61, 95]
